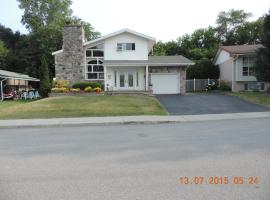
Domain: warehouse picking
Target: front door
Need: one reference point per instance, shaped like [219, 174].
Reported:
[126, 80]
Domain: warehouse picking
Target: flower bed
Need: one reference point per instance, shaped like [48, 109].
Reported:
[61, 88]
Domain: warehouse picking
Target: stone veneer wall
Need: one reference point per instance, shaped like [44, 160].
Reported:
[70, 64]
[181, 70]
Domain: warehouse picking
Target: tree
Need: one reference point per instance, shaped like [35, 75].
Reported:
[43, 13]
[168, 48]
[45, 86]
[3, 54]
[202, 43]
[228, 22]
[45, 20]
[203, 69]
[263, 55]
[249, 32]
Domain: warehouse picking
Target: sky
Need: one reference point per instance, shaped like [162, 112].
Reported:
[162, 19]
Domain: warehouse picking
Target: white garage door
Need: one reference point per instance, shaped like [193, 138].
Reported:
[165, 83]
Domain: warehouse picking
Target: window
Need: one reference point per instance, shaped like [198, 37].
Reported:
[248, 66]
[94, 63]
[137, 79]
[125, 46]
[262, 86]
[254, 86]
[245, 86]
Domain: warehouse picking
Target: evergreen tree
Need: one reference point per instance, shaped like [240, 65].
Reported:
[45, 86]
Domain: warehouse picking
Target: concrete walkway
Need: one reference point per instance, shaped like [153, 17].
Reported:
[128, 120]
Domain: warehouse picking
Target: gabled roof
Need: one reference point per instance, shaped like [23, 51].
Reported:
[242, 49]
[239, 50]
[120, 32]
[13, 75]
[152, 61]
[151, 39]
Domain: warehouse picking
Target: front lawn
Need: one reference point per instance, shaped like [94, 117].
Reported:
[81, 106]
[255, 97]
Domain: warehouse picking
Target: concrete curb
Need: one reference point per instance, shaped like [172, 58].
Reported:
[87, 121]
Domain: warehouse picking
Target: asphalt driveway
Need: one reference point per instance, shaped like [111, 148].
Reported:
[205, 103]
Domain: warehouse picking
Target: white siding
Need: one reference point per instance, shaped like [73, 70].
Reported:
[223, 57]
[140, 53]
[110, 76]
[226, 70]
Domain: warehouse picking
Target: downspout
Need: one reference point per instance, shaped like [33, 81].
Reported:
[2, 93]
[233, 70]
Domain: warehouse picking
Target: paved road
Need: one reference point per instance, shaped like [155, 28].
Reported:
[198, 103]
[139, 162]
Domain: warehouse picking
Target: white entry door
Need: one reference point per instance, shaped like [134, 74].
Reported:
[126, 80]
[167, 83]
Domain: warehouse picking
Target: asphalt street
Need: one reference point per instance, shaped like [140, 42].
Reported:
[138, 162]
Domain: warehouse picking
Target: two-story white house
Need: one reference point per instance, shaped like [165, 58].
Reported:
[120, 61]
[237, 67]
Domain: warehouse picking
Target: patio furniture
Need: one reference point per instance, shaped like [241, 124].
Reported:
[24, 95]
[31, 94]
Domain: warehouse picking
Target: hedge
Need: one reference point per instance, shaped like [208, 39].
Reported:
[83, 85]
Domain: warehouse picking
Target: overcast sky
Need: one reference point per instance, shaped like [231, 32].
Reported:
[163, 19]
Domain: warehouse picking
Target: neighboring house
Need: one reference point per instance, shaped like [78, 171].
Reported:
[120, 62]
[237, 67]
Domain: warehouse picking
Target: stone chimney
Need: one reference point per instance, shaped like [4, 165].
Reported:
[70, 63]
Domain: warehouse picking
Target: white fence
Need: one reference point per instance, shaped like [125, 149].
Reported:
[193, 85]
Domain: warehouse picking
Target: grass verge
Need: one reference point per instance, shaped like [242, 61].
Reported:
[254, 97]
[81, 106]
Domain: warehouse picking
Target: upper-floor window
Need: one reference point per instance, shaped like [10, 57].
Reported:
[95, 51]
[125, 46]
[248, 68]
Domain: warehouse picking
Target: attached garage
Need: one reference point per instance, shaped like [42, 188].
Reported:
[165, 83]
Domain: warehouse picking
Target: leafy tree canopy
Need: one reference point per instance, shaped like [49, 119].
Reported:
[263, 55]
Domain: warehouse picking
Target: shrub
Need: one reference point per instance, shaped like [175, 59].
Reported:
[224, 86]
[83, 85]
[88, 89]
[75, 90]
[97, 89]
[45, 86]
[60, 84]
[203, 69]
[60, 90]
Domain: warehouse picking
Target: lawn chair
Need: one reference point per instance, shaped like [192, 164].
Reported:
[31, 94]
[36, 94]
[24, 95]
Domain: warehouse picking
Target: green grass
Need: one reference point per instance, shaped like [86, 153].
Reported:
[81, 106]
[255, 97]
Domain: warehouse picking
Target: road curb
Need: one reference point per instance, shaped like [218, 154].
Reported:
[124, 120]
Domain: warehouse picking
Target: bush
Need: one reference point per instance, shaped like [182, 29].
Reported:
[88, 89]
[60, 90]
[60, 84]
[224, 86]
[75, 90]
[203, 69]
[83, 85]
[97, 89]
